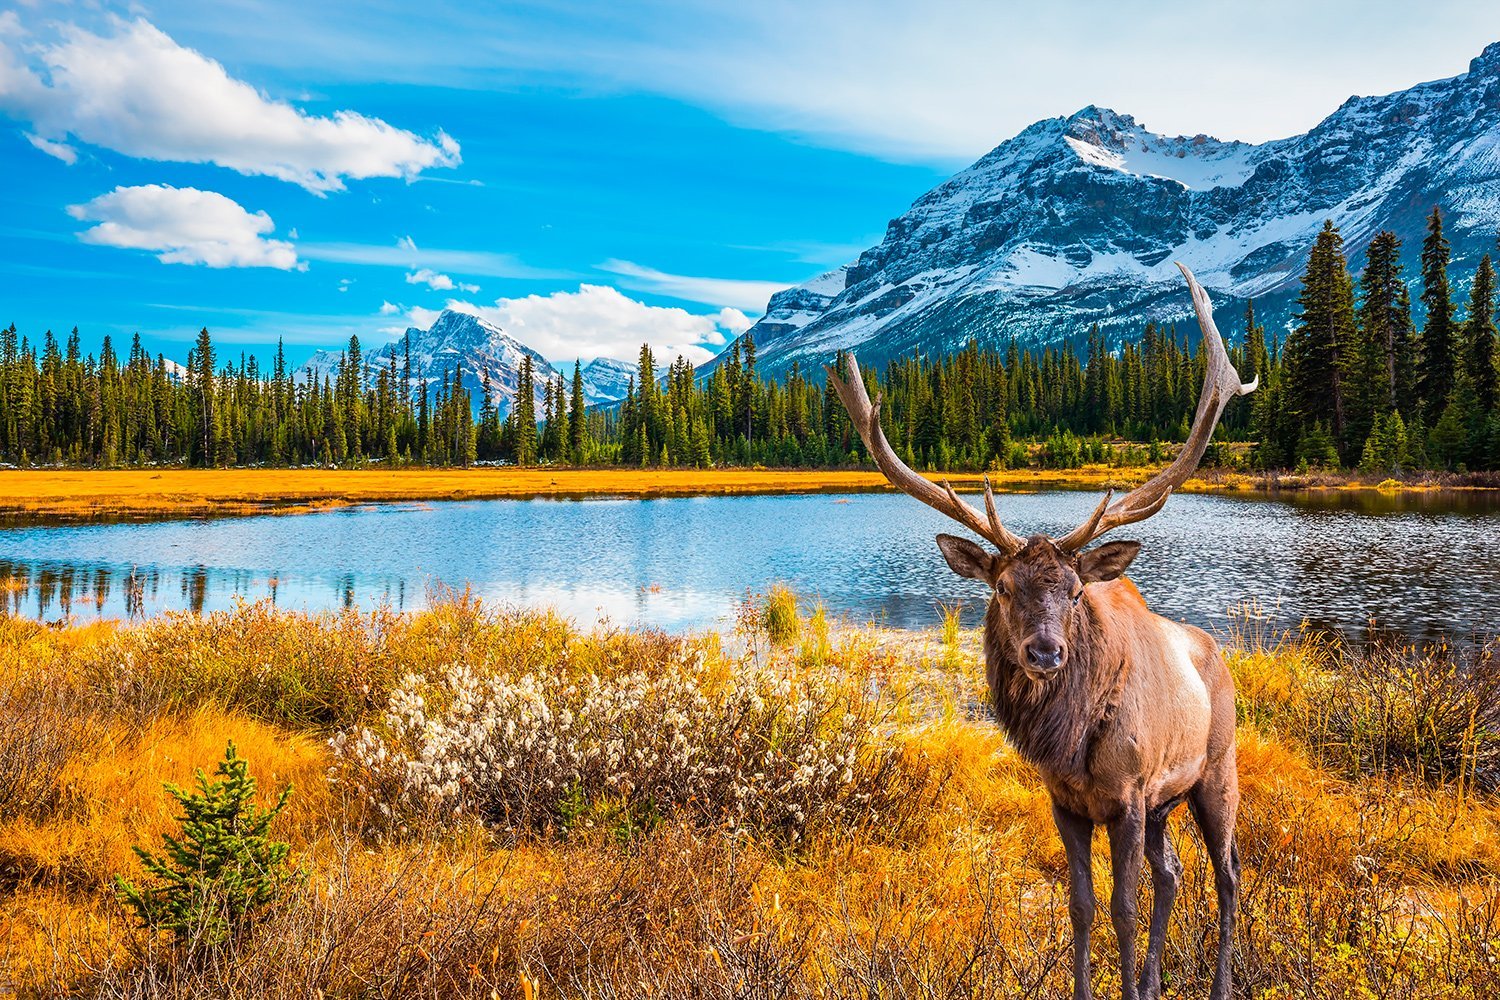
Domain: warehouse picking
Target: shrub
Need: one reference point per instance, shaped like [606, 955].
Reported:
[1434, 711]
[224, 869]
[42, 726]
[755, 749]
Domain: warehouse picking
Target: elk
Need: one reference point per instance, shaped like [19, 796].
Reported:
[1123, 713]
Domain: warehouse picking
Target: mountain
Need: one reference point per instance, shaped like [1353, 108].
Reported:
[606, 380]
[454, 338]
[1078, 220]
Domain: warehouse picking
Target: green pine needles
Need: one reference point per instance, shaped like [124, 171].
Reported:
[222, 871]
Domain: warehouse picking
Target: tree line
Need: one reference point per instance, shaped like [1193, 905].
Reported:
[1356, 383]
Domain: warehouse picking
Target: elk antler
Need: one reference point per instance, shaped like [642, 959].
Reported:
[866, 417]
[1221, 383]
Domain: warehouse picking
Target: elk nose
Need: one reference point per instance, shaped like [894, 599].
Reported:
[1044, 654]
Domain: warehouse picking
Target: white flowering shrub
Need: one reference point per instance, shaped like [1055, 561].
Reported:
[752, 748]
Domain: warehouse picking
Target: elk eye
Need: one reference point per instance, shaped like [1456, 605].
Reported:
[1078, 596]
[1000, 590]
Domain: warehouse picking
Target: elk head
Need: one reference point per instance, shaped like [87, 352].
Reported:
[1038, 583]
[1036, 592]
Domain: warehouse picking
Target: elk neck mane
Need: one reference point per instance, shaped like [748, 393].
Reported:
[1052, 723]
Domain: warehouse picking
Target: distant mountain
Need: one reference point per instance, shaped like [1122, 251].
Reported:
[606, 380]
[1078, 220]
[454, 339]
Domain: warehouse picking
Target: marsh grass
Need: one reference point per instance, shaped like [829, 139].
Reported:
[781, 622]
[1429, 710]
[815, 650]
[1367, 874]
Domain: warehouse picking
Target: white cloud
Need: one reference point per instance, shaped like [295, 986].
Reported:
[599, 321]
[734, 321]
[406, 254]
[437, 282]
[389, 309]
[140, 93]
[430, 278]
[184, 226]
[60, 150]
[737, 292]
[940, 81]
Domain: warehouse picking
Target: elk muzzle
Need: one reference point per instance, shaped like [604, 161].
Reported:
[1044, 656]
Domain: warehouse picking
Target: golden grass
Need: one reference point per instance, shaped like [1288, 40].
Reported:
[1384, 885]
[184, 492]
[111, 493]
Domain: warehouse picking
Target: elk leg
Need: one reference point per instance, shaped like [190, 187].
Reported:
[1166, 874]
[1214, 802]
[1077, 834]
[1126, 846]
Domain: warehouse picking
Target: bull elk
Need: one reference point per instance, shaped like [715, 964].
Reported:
[1125, 714]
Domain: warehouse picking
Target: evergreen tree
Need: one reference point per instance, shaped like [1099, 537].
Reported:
[1437, 368]
[1320, 352]
[1479, 337]
[577, 419]
[1385, 323]
[523, 415]
[222, 870]
[201, 372]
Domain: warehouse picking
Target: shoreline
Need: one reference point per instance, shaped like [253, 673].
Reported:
[110, 494]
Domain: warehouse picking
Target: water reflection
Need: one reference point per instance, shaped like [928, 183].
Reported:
[1423, 563]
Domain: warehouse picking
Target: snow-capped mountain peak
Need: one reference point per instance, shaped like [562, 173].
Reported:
[456, 342]
[1078, 220]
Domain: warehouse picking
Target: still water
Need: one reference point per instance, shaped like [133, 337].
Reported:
[1423, 564]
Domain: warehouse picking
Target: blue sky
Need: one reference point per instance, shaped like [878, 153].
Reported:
[588, 175]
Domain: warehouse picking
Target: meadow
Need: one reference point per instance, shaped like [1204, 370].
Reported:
[181, 492]
[487, 802]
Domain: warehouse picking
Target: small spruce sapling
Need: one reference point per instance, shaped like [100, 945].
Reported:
[223, 869]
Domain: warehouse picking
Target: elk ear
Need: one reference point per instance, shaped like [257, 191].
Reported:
[1107, 561]
[967, 559]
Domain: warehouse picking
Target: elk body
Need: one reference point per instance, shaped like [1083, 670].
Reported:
[1125, 714]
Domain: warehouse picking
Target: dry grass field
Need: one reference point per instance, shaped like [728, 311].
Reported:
[491, 803]
[189, 492]
[126, 493]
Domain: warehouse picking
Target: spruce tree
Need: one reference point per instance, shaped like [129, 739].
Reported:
[563, 436]
[1383, 327]
[1319, 352]
[224, 868]
[523, 414]
[1436, 364]
[577, 429]
[1479, 337]
[202, 375]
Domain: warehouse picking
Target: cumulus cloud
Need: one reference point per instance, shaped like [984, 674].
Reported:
[389, 308]
[734, 321]
[140, 93]
[599, 321]
[743, 294]
[184, 226]
[437, 282]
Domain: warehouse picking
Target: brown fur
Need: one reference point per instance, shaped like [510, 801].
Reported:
[1137, 718]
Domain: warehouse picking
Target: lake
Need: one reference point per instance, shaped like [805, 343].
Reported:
[1424, 564]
